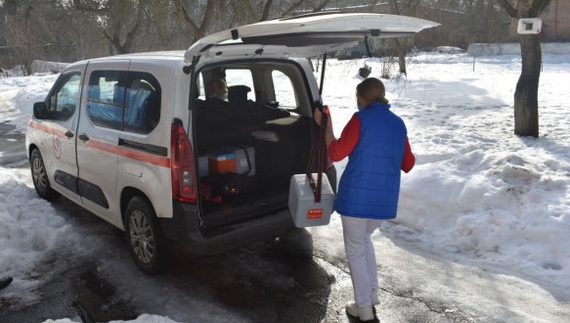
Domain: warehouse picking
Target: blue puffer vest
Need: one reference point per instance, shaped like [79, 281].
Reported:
[370, 184]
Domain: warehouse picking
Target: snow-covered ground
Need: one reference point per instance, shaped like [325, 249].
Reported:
[479, 196]
[478, 191]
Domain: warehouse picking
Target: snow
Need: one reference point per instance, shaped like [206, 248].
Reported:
[478, 191]
[478, 195]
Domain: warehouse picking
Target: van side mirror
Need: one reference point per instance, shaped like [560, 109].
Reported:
[40, 110]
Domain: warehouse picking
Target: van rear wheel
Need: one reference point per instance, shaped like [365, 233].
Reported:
[40, 177]
[144, 237]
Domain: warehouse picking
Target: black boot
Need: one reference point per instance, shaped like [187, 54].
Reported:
[5, 282]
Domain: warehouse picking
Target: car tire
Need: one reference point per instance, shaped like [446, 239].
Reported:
[40, 178]
[144, 237]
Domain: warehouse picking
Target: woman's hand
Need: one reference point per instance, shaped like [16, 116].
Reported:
[318, 116]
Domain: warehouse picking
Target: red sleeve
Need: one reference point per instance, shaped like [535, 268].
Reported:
[343, 146]
[409, 158]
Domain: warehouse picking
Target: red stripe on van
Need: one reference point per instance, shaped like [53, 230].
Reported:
[110, 148]
[46, 129]
[129, 153]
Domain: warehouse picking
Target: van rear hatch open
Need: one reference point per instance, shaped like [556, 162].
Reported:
[245, 167]
[305, 36]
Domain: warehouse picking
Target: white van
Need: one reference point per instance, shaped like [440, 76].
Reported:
[136, 139]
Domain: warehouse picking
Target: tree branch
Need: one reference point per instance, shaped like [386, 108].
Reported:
[266, 9]
[395, 8]
[508, 7]
[294, 6]
[208, 15]
[537, 7]
[114, 41]
[321, 6]
[131, 34]
[81, 6]
[194, 29]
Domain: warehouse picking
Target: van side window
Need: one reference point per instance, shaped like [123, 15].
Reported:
[106, 97]
[121, 100]
[241, 77]
[284, 91]
[142, 103]
[63, 101]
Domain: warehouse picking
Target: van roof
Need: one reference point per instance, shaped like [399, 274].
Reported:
[176, 56]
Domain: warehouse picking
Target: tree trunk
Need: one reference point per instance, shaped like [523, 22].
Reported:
[526, 93]
[401, 48]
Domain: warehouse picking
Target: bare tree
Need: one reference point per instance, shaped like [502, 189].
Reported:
[203, 17]
[526, 93]
[305, 6]
[484, 22]
[120, 20]
[23, 29]
[266, 9]
[406, 7]
[196, 29]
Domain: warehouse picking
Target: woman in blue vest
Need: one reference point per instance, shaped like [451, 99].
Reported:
[375, 141]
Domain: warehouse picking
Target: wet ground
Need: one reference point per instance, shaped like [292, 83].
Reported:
[11, 145]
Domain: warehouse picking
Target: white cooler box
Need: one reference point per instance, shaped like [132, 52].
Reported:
[304, 210]
[245, 159]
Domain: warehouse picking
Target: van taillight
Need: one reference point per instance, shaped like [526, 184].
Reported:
[182, 167]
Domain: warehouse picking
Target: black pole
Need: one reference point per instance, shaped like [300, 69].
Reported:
[323, 74]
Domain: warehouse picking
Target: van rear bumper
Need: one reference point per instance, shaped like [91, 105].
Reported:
[184, 233]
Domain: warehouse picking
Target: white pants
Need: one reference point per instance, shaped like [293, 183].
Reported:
[361, 257]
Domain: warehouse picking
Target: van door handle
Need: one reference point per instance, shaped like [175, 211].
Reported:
[83, 137]
[69, 134]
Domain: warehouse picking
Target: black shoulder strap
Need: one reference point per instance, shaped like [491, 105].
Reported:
[319, 153]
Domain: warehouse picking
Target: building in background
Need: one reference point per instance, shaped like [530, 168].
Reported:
[556, 22]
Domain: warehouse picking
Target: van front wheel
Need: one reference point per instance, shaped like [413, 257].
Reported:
[40, 177]
[144, 237]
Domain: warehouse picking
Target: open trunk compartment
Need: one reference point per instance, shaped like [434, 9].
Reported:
[270, 154]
